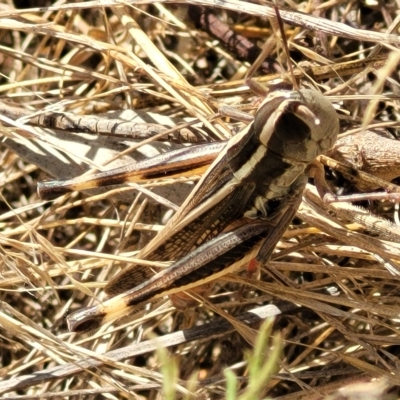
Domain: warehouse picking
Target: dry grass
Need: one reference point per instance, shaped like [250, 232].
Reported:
[57, 256]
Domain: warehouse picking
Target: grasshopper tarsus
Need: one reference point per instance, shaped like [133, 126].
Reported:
[50, 190]
[87, 323]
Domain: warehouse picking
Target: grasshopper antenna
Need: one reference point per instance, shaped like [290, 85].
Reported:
[266, 50]
[285, 45]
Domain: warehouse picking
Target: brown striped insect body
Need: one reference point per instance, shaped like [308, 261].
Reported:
[237, 211]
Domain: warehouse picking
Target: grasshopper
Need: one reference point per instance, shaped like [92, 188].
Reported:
[238, 210]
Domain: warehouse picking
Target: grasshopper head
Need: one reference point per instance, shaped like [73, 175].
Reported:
[298, 125]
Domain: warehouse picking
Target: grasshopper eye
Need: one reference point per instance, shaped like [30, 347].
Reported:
[289, 128]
